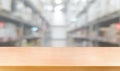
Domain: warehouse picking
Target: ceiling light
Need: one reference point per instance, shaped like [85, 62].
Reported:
[59, 7]
[74, 20]
[84, 0]
[34, 29]
[58, 1]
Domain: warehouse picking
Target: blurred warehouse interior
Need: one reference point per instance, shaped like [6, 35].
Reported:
[60, 23]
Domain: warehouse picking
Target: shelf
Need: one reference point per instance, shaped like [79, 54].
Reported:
[99, 39]
[9, 18]
[101, 22]
[25, 37]
[80, 38]
[29, 4]
[104, 21]
[78, 29]
[107, 19]
[32, 37]
[107, 41]
[85, 9]
[8, 43]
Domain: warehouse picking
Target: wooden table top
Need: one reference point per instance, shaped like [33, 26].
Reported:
[59, 56]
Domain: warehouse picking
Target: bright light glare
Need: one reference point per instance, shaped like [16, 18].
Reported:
[58, 8]
[58, 1]
[49, 8]
[74, 20]
[58, 18]
[34, 29]
[84, 1]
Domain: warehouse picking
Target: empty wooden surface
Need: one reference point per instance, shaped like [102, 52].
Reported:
[59, 56]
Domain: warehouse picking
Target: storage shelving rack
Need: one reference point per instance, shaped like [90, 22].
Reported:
[95, 25]
[44, 22]
[7, 17]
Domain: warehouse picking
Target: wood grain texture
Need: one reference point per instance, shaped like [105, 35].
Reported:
[60, 68]
[59, 56]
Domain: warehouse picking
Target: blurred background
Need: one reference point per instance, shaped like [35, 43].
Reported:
[60, 23]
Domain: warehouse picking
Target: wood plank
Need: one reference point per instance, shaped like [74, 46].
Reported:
[59, 56]
[60, 68]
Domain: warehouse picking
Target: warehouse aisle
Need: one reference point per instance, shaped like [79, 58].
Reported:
[58, 29]
[60, 23]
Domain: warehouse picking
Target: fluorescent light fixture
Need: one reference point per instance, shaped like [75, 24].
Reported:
[59, 7]
[58, 16]
[58, 1]
[34, 29]
[74, 20]
[84, 1]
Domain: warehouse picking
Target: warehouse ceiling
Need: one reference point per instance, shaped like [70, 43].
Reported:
[70, 7]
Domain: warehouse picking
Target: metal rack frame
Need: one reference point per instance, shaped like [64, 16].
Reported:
[99, 22]
[7, 17]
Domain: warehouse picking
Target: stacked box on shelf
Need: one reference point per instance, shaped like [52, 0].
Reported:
[83, 20]
[118, 36]
[38, 20]
[116, 32]
[117, 5]
[93, 12]
[35, 19]
[36, 4]
[8, 32]
[23, 12]
[28, 14]
[19, 32]
[5, 5]
[11, 31]
[92, 34]
[114, 5]
[110, 33]
[104, 33]
[3, 35]
[19, 9]
[108, 6]
[103, 7]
